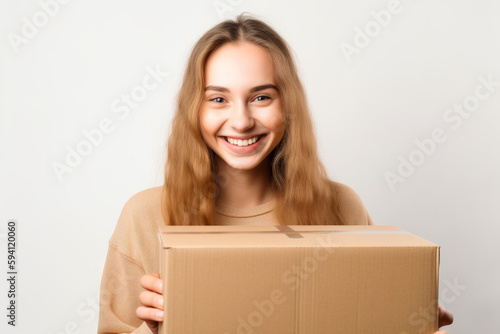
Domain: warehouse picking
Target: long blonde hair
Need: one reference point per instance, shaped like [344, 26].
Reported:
[305, 195]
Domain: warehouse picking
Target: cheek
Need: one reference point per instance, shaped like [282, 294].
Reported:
[276, 120]
[209, 123]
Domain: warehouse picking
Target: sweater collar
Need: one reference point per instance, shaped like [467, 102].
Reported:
[246, 212]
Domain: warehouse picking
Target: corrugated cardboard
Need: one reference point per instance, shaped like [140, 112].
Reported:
[301, 279]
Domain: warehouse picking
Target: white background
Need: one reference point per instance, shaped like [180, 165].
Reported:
[368, 113]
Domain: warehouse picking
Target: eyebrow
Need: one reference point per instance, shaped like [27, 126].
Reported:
[254, 89]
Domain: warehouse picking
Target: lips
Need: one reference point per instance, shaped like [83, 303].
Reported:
[242, 138]
[243, 141]
[243, 149]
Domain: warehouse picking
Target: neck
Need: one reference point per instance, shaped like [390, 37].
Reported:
[244, 188]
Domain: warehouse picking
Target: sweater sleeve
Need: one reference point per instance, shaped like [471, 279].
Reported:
[119, 295]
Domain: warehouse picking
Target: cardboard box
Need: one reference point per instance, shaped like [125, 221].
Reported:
[301, 279]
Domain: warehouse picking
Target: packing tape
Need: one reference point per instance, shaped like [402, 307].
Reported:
[288, 231]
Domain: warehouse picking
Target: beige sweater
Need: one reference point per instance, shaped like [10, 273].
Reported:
[133, 248]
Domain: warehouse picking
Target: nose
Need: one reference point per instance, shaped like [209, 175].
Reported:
[241, 117]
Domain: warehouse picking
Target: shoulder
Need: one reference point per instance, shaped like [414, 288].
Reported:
[139, 219]
[350, 205]
[144, 201]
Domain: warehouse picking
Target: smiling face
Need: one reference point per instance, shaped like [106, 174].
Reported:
[241, 104]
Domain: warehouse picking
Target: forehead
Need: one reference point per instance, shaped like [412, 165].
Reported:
[239, 66]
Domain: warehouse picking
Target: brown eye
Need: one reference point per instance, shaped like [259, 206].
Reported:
[266, 97]
[217, 98]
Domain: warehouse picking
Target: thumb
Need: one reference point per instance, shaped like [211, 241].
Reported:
[445, 317]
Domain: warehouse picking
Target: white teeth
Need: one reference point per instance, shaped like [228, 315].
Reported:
[245, 142]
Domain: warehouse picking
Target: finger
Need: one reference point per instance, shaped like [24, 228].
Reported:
[148, 314]
[445, 317]
[151, 299]
[152, 282]
[441, 332]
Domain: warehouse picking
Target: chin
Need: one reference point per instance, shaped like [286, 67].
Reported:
[243, 166]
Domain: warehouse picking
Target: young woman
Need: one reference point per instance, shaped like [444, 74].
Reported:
[241, 151]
